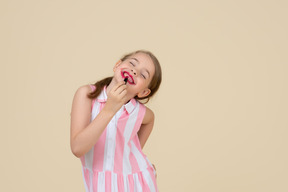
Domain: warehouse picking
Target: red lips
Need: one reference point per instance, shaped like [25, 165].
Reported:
[130, 77]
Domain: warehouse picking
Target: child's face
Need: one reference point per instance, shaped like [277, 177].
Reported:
[139, 69]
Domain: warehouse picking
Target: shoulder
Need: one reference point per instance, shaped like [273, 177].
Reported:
[149, 116]
[81, 102]
[84, 90]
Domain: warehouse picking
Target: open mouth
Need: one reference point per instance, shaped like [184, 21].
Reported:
[130, 79]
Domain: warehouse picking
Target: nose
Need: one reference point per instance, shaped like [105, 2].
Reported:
[133, 71]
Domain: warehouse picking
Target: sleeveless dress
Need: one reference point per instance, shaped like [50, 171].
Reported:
[116, 162]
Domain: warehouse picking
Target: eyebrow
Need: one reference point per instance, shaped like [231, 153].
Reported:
[135, 59]
[138, 63]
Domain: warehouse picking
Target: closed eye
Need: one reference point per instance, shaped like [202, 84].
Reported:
[132, 64]
[143, 76]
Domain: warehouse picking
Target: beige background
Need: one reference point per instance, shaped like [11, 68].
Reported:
[221, 112]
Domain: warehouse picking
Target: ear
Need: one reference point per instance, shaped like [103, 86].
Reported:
[144, 93]
[116, 65]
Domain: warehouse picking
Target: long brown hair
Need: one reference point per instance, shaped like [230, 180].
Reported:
[153, 86]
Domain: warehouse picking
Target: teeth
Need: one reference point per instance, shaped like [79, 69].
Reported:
[130, 79]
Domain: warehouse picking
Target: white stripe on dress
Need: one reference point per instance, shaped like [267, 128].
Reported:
[127, 134]
[95, 110]
[149, 180]
[101, 182]
[138, 156]
[110, 142]
[114, 183]
[137, 185]
[89, 166]
[126, 183]
[85, 184]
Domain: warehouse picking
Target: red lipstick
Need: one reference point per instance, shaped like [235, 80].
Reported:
[128, 76]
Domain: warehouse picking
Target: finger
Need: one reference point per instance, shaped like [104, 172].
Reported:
[122, 96]
[123, 93]
[121, 88]
[118, 85]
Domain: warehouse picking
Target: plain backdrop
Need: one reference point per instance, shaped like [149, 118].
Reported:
[221, 111]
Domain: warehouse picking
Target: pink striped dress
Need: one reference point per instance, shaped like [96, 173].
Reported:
[116, 162]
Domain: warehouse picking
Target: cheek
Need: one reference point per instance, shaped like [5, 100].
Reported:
[117, 74]
[143, 83]
[118, 70]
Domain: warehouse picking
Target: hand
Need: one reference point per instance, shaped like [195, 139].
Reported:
[116, 97]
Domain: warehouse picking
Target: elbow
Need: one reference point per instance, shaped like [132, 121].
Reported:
[76, 154]
[76, 151]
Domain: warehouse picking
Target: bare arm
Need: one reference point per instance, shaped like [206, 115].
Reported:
[146, 127]
[83, 134]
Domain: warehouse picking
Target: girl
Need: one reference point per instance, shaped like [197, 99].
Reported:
[109, 126]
